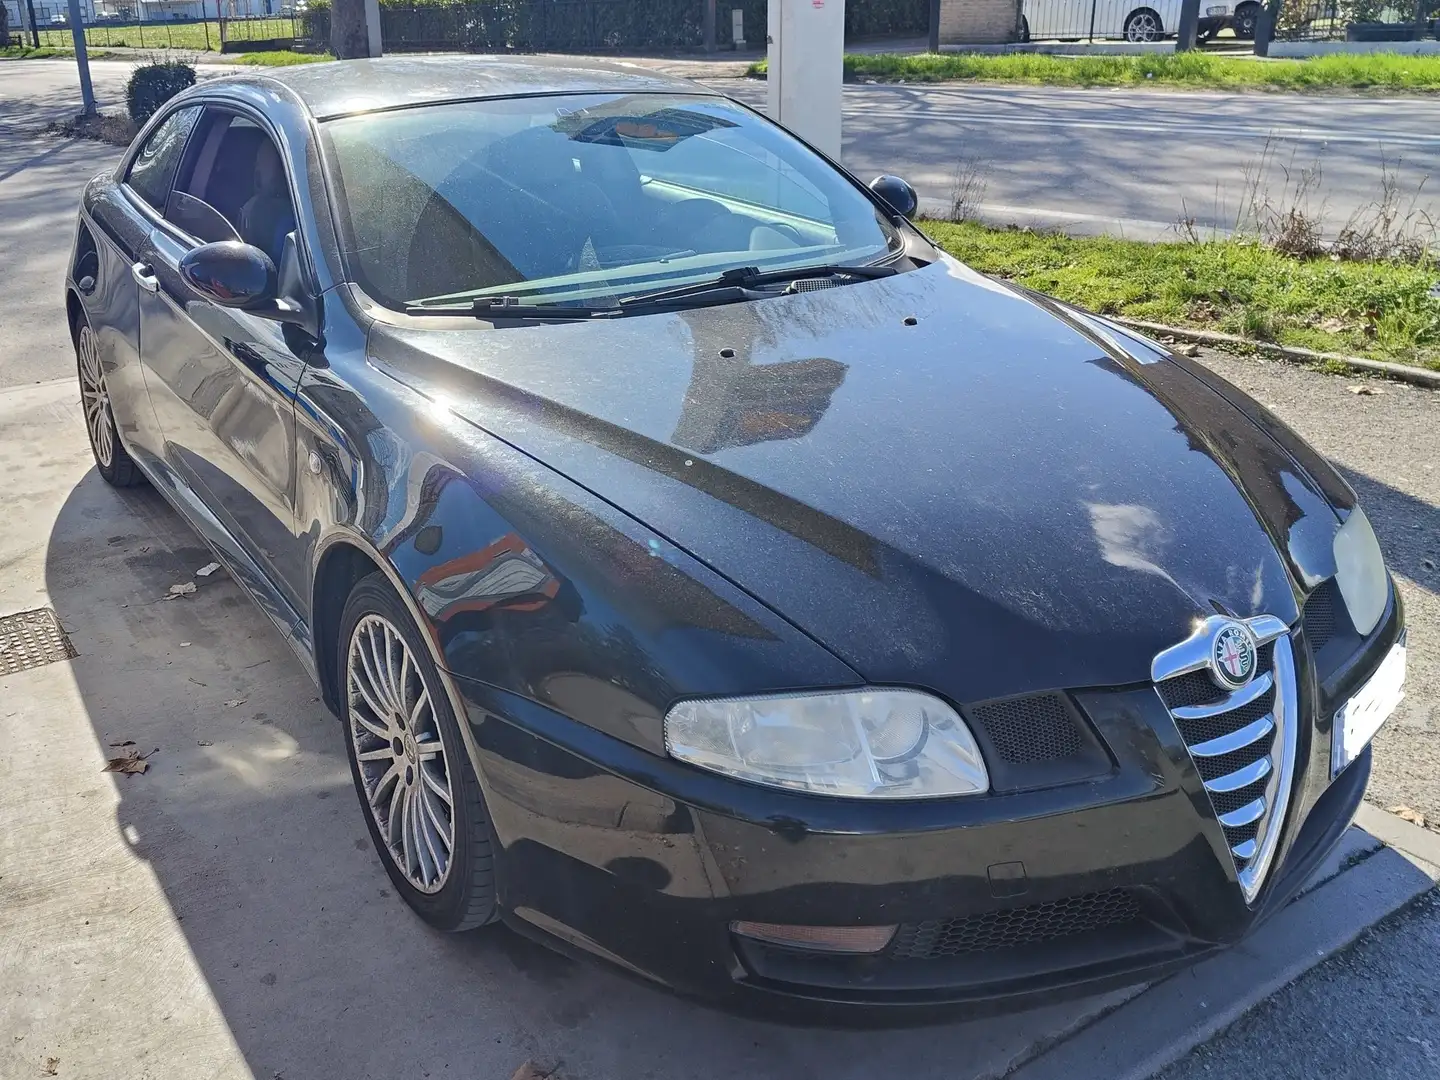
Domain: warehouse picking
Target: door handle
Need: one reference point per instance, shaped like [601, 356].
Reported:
[145, 277]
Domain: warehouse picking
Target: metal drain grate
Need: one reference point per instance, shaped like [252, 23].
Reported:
[29, 639]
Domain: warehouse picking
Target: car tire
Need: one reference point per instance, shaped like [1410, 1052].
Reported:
[412, 773]
[112, 462]
[1143, 24]
[1024, 30]
[1246, 16]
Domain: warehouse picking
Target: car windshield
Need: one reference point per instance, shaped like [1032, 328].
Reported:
[583, 199]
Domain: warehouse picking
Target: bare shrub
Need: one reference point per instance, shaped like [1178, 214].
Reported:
[1289, 217]
[1283, 207]
[1393, 227]
[967, 189]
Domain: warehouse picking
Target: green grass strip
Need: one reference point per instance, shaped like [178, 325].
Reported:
[1380, 310]
[1197, 70]
[282, 58]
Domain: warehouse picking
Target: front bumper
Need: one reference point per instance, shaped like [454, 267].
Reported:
[1003, 900]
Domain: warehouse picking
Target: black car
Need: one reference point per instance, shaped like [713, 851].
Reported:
[711, 575]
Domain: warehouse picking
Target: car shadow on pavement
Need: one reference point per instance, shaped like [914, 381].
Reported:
[250, 825]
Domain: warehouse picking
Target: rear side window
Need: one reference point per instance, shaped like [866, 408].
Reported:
[153, 170]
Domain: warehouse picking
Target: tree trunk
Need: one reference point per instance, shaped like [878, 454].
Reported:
[348, 35]
[4, 26]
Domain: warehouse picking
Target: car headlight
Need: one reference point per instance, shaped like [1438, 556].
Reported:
[868, 744]
[1360, 571]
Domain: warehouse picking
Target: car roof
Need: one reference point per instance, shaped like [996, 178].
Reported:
[343, 87]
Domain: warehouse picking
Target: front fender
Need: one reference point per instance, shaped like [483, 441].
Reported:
[522, 579]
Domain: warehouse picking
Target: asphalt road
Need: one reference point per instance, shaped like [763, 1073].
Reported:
[1133, 160]
[1371, 1012]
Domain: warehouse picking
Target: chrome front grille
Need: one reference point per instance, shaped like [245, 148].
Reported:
[1241, 740]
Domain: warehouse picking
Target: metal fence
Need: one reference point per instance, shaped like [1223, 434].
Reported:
[134, 30]
[594, 26]
[1356, 20]
[575, 26]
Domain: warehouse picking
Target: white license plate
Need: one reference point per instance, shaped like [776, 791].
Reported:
[1359, 718]
[1221, 10]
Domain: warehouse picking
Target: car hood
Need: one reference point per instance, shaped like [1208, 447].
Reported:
[946, 481]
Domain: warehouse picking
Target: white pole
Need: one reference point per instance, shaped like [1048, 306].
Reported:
[77, 32]
[807, 69]
[372, 27]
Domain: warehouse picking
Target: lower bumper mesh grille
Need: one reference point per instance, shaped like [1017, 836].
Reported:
[1032, 925]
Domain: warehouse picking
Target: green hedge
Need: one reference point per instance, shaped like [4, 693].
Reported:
[154, 84]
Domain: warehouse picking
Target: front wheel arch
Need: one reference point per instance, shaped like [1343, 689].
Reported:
[342, 566]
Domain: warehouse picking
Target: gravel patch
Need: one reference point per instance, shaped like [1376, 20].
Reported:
[1387, 444]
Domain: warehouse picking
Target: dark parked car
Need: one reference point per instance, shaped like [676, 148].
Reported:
[708, 573]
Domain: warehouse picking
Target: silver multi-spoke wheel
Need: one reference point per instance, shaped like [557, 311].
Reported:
[96, 399]
[1143, 26]
[400, 752]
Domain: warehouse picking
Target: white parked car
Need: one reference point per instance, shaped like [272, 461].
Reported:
[1125, 20]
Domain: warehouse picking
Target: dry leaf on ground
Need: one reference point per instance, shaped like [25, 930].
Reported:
[235, 703]
[531, 1071]
[207, 569]
[1404, 813]
[129, 763]
[50, 1067]
[1362, 389]
[179, 590]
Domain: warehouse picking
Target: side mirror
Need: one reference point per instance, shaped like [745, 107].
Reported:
[897, 194]
[230, 274]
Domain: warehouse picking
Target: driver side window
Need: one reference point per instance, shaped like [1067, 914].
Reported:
[236, 173]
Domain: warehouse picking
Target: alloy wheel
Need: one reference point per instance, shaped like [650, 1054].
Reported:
[96, 399]
[400, 752]
[1143, 26]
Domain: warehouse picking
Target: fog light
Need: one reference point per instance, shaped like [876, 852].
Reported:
[843, 939]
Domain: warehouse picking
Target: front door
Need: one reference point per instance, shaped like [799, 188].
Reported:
[223, 381]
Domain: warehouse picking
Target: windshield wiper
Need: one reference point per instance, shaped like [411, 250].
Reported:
[511, 307]
[740, 282]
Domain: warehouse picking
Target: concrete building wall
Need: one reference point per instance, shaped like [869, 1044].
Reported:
[979, 22]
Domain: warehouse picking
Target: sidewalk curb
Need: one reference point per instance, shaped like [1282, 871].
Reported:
[1408, 839]
[1403, 372]
[1161, 1026]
